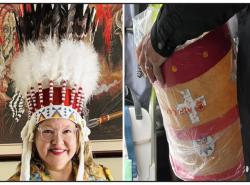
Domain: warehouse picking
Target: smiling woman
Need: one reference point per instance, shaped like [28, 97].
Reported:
[55, 151]
[56, 144]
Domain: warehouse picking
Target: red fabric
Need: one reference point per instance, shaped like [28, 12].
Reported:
[229, 174]
[209, 128]
[190, 62]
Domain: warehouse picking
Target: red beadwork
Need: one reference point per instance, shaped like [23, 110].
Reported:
[78, 98]
[73, 95]
[77, 101]
[81, 94]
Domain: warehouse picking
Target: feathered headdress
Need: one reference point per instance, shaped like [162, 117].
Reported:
[57, 70]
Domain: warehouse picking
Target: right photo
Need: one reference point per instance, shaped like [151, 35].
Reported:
[186, 109]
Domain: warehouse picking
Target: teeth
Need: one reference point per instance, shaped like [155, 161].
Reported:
[55, 150]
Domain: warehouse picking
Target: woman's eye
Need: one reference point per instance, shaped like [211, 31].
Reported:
[48, 131]
[67, 131]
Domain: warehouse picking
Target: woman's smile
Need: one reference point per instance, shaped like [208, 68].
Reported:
[57, 151]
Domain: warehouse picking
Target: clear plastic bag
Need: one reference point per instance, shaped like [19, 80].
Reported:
[143, 22]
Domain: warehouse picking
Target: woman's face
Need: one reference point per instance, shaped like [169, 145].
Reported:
[56, 142]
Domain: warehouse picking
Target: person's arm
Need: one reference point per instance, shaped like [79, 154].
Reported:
[177, 23]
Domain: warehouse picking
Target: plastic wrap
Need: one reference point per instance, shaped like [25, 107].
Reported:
[142, 23]
[199, 109]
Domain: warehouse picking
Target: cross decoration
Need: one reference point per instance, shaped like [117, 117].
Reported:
[204, 146]
[190, 106]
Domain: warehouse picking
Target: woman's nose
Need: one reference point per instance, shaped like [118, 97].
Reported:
[57, 138]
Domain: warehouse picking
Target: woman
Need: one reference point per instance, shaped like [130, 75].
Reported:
[55, 154]
[56, 73]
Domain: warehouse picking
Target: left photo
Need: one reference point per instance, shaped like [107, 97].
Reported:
[61, 92]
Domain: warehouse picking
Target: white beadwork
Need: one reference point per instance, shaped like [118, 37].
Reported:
[65, 112]
[73, 93]
[80, 93]
[51, 91]
[63, 91]
[78, 98]
[40, 92]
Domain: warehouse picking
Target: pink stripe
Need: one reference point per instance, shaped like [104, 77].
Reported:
[190, 62]
[209, 128]
[230, 174]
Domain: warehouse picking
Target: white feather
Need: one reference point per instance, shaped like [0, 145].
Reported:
[75, 62]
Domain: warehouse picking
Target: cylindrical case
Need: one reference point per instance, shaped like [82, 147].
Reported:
[199, 108]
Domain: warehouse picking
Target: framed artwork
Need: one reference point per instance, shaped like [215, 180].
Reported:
[107, 100]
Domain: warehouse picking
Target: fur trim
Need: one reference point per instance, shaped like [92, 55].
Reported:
[27, 135]
[80, 173]
[75, 62]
